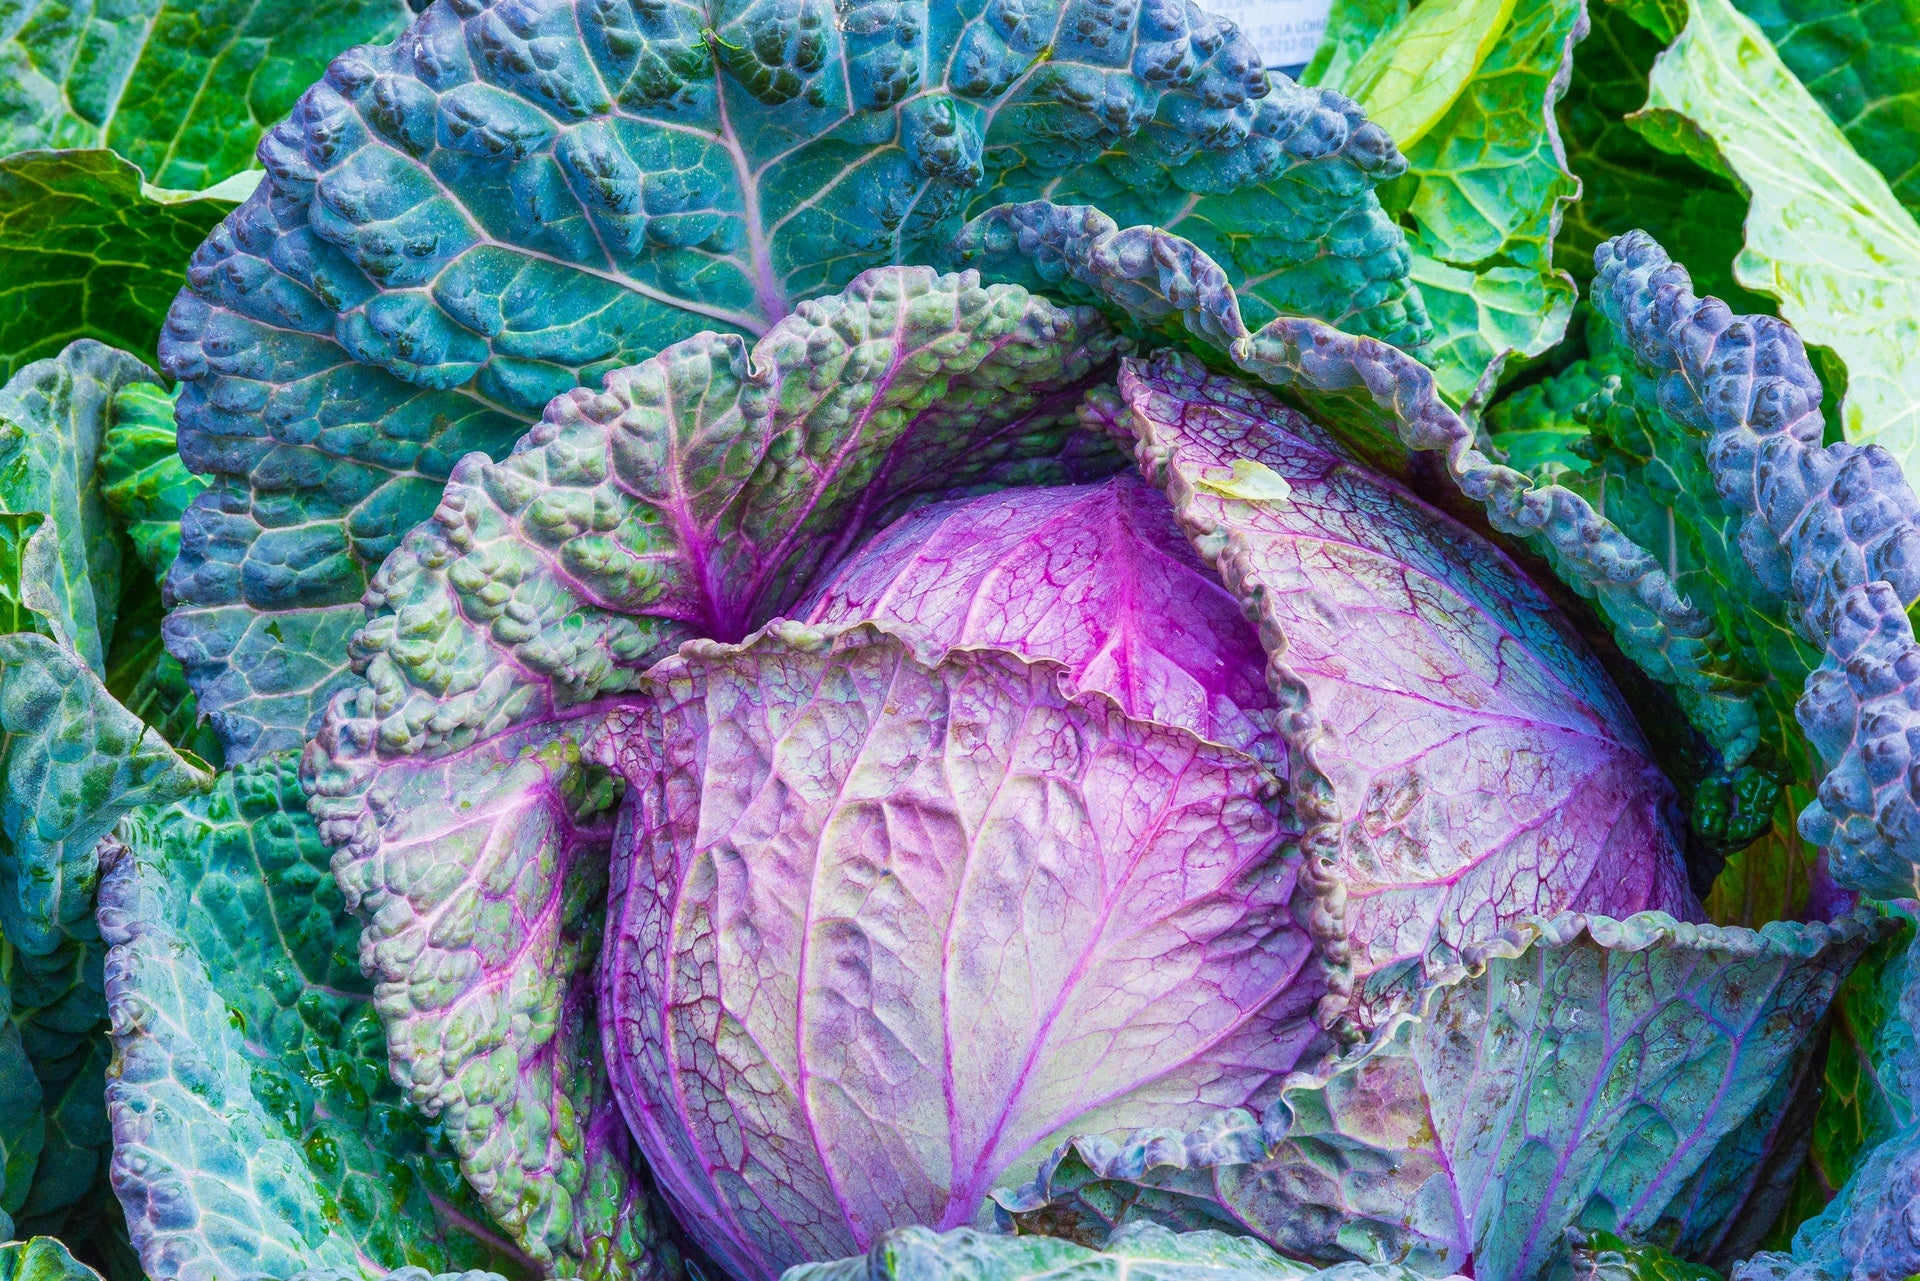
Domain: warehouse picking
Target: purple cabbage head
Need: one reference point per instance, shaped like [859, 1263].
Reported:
[1071, 810]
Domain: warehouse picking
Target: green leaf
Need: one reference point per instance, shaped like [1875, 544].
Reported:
[256, 1128]
[1602, 1256]
[1484, 191]
[1352, 28]
[463, 225]
[1414, 70]
[53, 417]
[1824, 234]
[41, 1259]
[1138, 1252]
[1862, 62]
[182, 90]
[142, 479]
[23, 1125]
[88, 251]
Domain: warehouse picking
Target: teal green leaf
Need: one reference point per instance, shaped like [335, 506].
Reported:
[142, 479]
[1137, 1252]
[72, 761]
[1523, 1096]
[41, 1259]
[88, 251]
[1862, 62]
[487, 213]
[256, 1129]
[1487, 187]
[53, 418]
[1626, 182]
[1824, 233]
[184, 91]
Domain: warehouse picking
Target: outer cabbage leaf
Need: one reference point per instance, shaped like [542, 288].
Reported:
[1382, 404]
[182, 91]
[256, 1130]
[698, 493]
[1097, 578]
[1625, 181]
[41, 1259]
[1578, 1072]
[1460, 760]
[89, 251]
[884, 933]
[1831, 530]
[1862, 62]
[1864, 1100]
[142, 480]
[1418, 65]
[1486, 190]
[53, 417]
[1825, 235]
[1142, 1251]
[517, 197]
[1602, 1256]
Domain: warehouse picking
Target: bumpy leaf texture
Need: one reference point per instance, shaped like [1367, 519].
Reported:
[89, 251]
[517, 197]
[1097, 578]
[1141, 1252]
[1825, 234]
[1862, 62]
[1382, 404]
[142, 480]
[1574, 1071]
[256, 1129]
[1832, 531]
[881, 931]
[1460, 759]
[697, 494]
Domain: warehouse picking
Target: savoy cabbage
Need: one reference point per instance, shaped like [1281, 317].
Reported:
[916, 639]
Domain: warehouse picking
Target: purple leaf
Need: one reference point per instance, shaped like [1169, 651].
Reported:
[883, 933]
[1458, 755]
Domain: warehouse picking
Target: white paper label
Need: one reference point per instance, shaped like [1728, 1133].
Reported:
[1286, 32]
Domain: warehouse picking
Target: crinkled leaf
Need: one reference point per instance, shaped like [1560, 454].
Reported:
[53, 417]
[1625, 181]
[72, 761]
[515, 198]
[41, 1259]
[1485, 188]
[1137, 1252]
[1577, 1072]
[1862, 63]
[1827, 529]
[89, 251]
[696, 495]
[257, 1131]
[1825, 235]
[1097, 578]
[1418, 666]
[882, 933]
[142, 480]
[184, 91]
[1382, 403]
